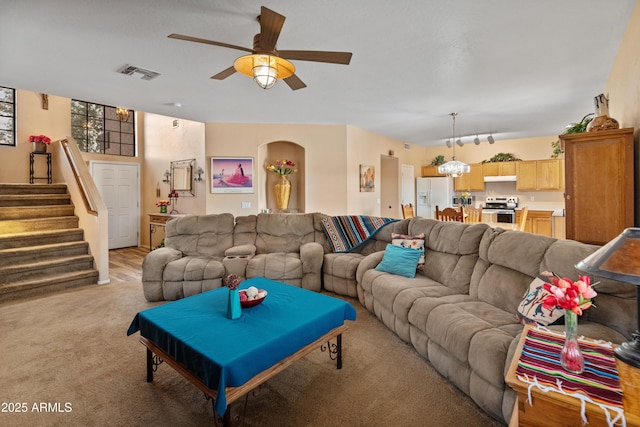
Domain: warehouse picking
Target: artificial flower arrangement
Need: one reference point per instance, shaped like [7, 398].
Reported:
[40, 138]
[282, 167]
[575, 296]
[163, 203]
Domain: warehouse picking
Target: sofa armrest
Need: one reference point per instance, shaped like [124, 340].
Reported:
[311, 255]
[155, 261]
[369, 262]
[242, 250]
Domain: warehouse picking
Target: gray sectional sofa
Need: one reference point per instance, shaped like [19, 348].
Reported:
[459, 312]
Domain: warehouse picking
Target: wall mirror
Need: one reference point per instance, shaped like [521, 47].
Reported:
[182, 177]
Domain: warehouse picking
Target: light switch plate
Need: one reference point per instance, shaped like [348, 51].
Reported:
[246, 205]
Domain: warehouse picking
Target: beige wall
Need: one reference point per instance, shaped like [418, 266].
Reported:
[623, 88]
[524, 149]
[161, 144]
[325, 163]
[623, 85]
[368, 148]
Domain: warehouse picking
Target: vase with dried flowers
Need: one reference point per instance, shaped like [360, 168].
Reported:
[232, 282]
[40, 143]
[573, 297]
[282, 168]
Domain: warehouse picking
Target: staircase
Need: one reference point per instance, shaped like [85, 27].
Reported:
[42, 250]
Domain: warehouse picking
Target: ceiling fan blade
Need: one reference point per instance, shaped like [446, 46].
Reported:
[317, 56]
[205, 41]
[294, 82]
[224, 73]
[270, 26]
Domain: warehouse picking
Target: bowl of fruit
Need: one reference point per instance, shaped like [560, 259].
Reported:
[251, 296]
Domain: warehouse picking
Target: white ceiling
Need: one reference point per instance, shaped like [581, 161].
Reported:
[514, 68]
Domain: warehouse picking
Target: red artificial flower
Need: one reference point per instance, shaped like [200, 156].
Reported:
[566, 294]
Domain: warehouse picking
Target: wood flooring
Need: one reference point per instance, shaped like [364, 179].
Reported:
[125, 265]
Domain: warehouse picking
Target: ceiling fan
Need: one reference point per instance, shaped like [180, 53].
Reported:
[265, 64]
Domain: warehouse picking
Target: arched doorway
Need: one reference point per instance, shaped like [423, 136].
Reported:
[284, 150]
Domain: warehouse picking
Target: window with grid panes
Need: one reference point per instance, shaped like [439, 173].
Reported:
[97, 129]
[7, 116]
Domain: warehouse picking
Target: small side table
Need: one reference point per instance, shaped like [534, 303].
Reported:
[156, 220]
[32, 177]
[551, 409]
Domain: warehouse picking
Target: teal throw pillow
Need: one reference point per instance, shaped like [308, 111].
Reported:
[400, 261]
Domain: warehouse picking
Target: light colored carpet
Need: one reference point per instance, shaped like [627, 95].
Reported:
[70, 351]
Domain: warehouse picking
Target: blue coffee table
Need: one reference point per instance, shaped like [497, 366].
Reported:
[228, 358]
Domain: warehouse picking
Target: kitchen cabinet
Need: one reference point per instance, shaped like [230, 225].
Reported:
[490, 218]
[539, 222]
[430, 171]
[559, 229]
[599, 177]
[472, 181]
[540, 175]
[499, 168]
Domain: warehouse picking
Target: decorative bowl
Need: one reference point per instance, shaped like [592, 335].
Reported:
[253, 302]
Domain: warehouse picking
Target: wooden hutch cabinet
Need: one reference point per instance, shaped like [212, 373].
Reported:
[599, 182]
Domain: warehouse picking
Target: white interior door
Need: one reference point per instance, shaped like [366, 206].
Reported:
[119, 187]
[408, 185]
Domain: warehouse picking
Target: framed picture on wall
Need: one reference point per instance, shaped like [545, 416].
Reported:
[232, 175]
[367, 178]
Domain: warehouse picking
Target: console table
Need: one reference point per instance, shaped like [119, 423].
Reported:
[552, 408]
[32, 158]
[156, 220]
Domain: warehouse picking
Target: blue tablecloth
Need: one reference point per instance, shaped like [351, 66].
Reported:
[227, 353]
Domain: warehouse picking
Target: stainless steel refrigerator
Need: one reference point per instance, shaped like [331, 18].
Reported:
[432, 192]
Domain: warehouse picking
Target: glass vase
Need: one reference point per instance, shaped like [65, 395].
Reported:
[571, 356]
[283, 192]
[234, 311]
[163, 209]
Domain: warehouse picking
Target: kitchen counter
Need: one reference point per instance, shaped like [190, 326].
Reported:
[558, 210]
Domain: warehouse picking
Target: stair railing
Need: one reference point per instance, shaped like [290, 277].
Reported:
[96, 230]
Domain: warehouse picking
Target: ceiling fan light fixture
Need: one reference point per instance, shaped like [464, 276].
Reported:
[264, 69]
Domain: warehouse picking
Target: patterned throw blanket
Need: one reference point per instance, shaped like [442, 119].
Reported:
[345, 233]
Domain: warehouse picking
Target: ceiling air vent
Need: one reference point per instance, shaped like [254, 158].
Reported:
[137, 72]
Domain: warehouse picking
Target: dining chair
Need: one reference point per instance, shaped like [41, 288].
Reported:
[523, 218]
[472, 215]
[407, 211]
[450, 214]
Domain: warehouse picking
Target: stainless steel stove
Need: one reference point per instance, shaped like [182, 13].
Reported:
[503, 206]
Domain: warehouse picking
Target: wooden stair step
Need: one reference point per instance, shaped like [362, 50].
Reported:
[35, 224]
[45, 268]
[33, 188]
[7, 200]
[27, 212]
[43, 237]
[46, 285]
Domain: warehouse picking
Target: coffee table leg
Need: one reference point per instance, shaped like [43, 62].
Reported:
[335, 350]
[149, 366]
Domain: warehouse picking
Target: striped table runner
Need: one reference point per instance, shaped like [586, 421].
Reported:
[539, 366]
